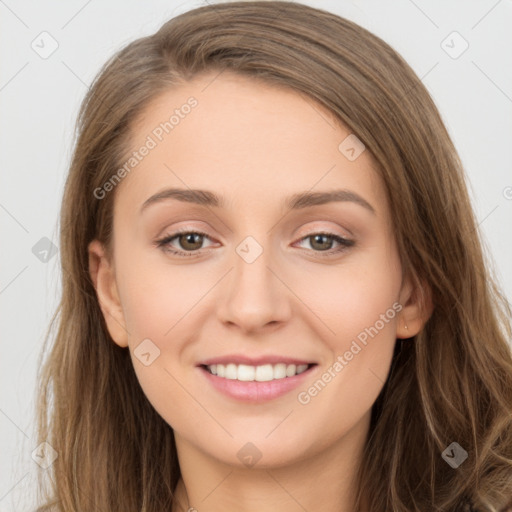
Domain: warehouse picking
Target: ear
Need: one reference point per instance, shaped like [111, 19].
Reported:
[417, 307]
[103, 278]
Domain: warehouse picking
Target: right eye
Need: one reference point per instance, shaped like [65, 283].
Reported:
[184, 237]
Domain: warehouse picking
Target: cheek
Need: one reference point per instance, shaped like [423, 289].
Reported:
[359, 308]
[156, 297]
[351, 298]
[160, 303]
[157, 308]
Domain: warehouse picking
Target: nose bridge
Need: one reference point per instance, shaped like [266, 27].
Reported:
[251, 265]
[255, 297]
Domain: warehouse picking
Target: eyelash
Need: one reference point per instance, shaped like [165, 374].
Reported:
[345, 243]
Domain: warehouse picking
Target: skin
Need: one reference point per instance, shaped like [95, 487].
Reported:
[255, 144]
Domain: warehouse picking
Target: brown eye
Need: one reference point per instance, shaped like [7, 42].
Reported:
[190, 241]
[323, 243]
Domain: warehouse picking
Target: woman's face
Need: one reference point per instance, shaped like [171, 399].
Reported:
[297, 324]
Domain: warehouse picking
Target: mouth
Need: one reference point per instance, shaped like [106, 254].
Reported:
[260, 373]
[253, 380]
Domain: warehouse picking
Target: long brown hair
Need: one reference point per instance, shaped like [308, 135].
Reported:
[450, 383]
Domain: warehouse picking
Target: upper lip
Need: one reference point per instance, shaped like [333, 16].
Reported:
[253, 361]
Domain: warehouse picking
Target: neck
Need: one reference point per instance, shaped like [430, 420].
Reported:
[327, 478]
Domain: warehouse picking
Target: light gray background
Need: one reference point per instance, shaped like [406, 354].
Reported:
[40, 98]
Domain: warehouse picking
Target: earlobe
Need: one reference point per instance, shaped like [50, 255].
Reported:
[103, 279]
[417, 309]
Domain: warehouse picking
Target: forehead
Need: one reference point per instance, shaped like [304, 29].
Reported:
[244, 139]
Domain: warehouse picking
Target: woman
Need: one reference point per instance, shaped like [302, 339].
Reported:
[212, 353]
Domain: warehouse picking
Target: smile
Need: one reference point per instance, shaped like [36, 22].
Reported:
[262, 373]
[255, 380]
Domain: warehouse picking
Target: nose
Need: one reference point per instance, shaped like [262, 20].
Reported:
[254, 295]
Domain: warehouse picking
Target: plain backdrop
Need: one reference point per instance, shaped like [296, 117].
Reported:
[40, 95]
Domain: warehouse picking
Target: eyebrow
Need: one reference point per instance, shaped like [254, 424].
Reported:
[294, 202]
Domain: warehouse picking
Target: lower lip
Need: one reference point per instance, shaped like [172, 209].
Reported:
[254, 391]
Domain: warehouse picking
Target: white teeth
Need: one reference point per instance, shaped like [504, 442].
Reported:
[245, 372]
[290, 370]
[231, 372]
[302, 368]
[263, 373]
[280, 371]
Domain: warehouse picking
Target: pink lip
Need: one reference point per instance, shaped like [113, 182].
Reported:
[256, 392]
[252, 361]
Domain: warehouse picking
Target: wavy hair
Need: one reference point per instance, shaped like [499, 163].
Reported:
[450, 383]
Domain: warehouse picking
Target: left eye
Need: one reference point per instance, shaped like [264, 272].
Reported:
[191, 241]
[317, 238]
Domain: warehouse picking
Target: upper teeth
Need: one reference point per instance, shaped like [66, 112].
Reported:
[261, 373]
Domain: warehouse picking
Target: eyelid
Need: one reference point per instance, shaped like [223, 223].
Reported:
[315, 228]
[166, 238]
